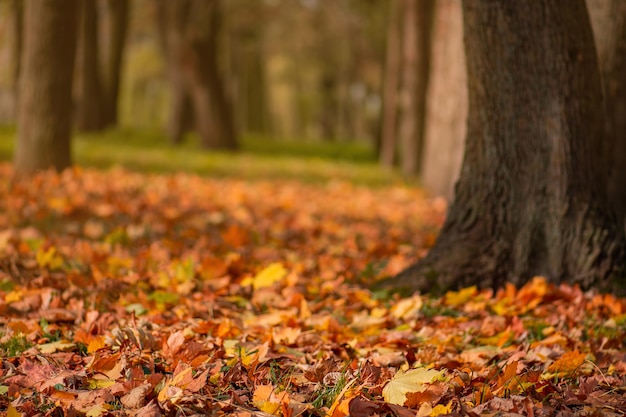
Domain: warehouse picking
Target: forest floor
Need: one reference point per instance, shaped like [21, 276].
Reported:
[148, 294]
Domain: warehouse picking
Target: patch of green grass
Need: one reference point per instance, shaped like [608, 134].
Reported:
[14, 346]
[258, 158]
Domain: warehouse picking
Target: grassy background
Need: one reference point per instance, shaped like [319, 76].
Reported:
[259, 158]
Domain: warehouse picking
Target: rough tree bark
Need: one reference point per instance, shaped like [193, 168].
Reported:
[446, 102]
[529, 199]
[416, 43]
[117, 13]
[608, 18]
[390, 86]
[89, 115]
[45, 87]
[191, 41]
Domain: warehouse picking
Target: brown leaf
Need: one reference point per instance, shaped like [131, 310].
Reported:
[137, 397]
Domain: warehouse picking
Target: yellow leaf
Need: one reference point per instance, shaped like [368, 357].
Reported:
[441, 409]
[49, 258]
[58, 346]
[566, 365]
[411, 381]
[267, 400]
[95, 344]
[99, 383]
[97, 411]
[12, 412]
[456, 298]
[13, 296]
[268, 276]
[407, 308]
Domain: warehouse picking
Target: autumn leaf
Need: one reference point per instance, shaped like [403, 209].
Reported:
[266, 399]
[566, 366]
[411, 381]
[58, 346]
[267, 277]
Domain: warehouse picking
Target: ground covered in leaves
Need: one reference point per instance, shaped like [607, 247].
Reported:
[145, 295]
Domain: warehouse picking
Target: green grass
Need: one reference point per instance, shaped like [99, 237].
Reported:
[259, 158]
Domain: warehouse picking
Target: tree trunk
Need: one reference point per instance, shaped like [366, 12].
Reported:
[415, 72]
[446, 102]
[529, 199]
[18, 40]
[608, 18]
[390, 85]
[191, 41]
[118, 27]
[170, 18]
[90, 97]
[45, 90]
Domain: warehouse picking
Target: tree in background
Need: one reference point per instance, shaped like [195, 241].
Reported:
[116, 32]
[407, 75]
[530, 199]
[418, 16]
[446, 102]
[245, 25]
[101, 50]
[389, 118]
[90, 108]
[17, 20]
[608, 18]
[190, 37]
[45, 85]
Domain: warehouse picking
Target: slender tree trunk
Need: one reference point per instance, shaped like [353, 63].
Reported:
[415, 73]
[170, 21]
[17, 10]
[213, 111]
[90, 110]
[390, 85]
[446, 102]
[191, 41]
[608, 18]
[118, 28]
[529, 200]
[45, 89]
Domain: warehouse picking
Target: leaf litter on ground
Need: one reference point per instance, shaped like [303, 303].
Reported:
[146, 295]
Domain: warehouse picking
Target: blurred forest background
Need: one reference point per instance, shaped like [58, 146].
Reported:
[353, 72]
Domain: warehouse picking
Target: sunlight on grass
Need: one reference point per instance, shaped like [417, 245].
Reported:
[259, 157]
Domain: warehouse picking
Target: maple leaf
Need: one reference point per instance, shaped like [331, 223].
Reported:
[409, 382]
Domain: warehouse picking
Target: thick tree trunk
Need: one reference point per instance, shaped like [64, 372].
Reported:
[415, 72]
[390, 86]
[118, 28]
[191, 41]
[529, 200]
[89, 116]
[608, 18]
[45, 90]
[446, 102]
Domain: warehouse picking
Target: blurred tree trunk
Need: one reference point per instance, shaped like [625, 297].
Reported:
[530, 199]
[415, 73]
[390, 86]
[329, 107]
[253, 105]
[191, 42]
[45, 88]
[117, 17]
[90, 109]
[181, 110]
[17, 16]
[608, 18]
[446, 102]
